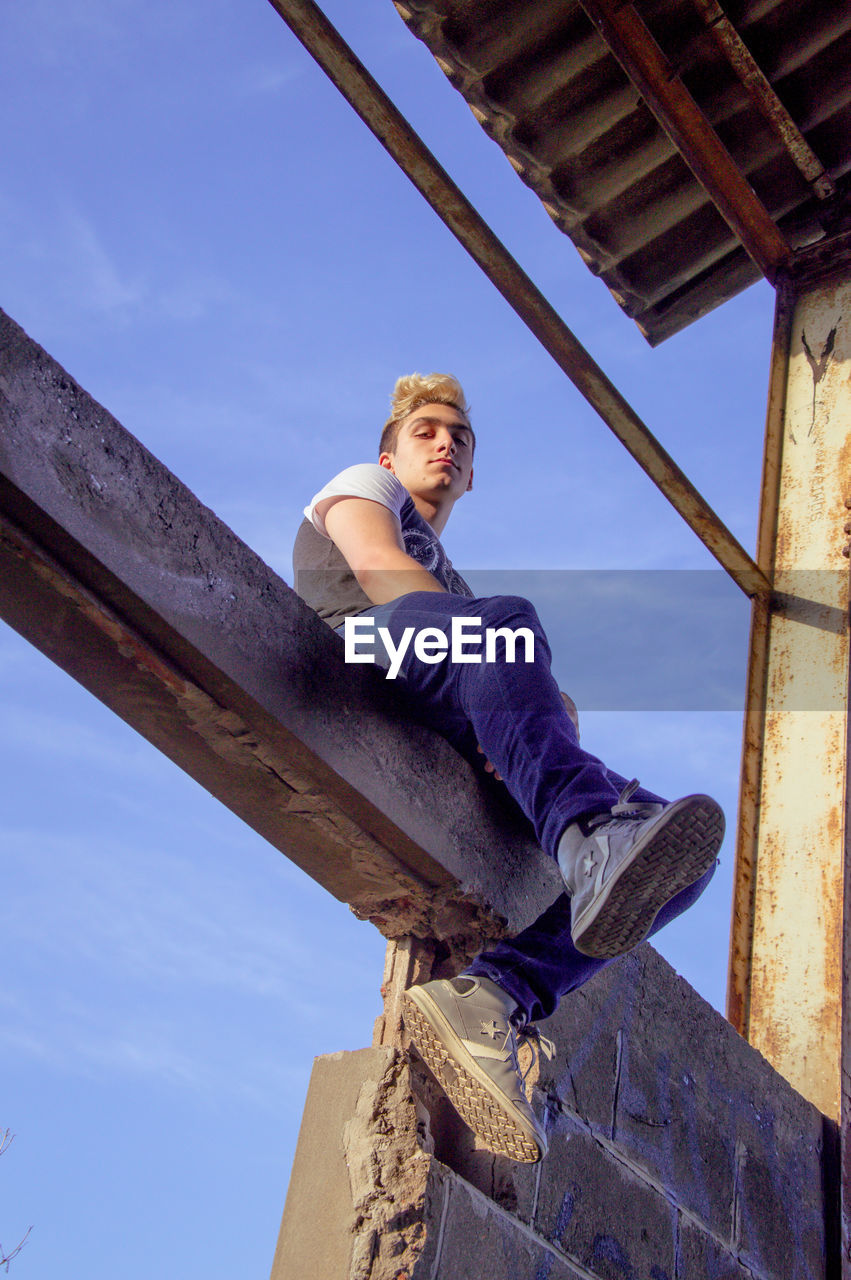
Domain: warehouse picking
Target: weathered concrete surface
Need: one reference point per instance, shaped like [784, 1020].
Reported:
[119, 574]
[664, 1086]
[676, 1153]
[337, 1220]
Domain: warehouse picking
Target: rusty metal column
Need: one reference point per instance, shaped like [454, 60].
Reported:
[785, 987]
[845, 1062]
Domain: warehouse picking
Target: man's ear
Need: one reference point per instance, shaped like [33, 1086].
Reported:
[469, 488]
[386, 460]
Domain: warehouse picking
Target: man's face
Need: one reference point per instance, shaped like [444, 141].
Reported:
[433, 457]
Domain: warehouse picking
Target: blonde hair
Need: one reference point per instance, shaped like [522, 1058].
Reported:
[414, 390]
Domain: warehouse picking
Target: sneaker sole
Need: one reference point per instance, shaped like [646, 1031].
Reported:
[473, 1095]
[672, 856]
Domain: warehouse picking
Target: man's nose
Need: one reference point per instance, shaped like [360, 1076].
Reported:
[447, 442]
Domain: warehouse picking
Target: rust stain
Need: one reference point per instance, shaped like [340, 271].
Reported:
[833, 905]
[842, 493]
[120, 634]
[770, 1033]
[788, 986]
[736, 1001]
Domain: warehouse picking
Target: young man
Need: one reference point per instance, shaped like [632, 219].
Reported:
[369, 547]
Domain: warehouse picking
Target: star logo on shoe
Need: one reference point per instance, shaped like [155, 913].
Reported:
[491, 1029]
[589, 864]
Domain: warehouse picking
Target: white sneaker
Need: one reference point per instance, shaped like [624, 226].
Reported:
[633, 861]
[462, 1030]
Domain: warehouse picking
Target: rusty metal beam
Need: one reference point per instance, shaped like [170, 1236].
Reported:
[764, 98]
[327, 46]
[845, 1058]
[830, 256]
[785, 991]
[747, 829]
[679, 115]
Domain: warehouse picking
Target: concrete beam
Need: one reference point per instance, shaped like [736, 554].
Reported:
[111, 567]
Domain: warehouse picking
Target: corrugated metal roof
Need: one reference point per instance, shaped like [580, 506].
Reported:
[544, 84]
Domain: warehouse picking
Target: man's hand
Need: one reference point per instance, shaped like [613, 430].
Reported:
[370, 538]
[570, 708]
[489, 768]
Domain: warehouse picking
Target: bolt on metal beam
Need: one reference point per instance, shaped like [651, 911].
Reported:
[764, 98]
[325, 44]
[666, 96]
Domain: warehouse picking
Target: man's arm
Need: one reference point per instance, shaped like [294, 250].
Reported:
[370, 538]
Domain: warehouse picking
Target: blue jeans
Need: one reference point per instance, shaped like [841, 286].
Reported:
[513, 710]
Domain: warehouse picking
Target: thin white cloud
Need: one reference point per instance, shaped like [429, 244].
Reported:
[72, 36]
[266, 81]
[53, 736]
[191, 296]
[67, 32]
[101, 285]
[143, 961]
[100, 1047]
[166, 920]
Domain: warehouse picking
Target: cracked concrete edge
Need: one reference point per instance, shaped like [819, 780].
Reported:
[364, 1188]
[390, 1176]
[399, 1192]
[384, 1205]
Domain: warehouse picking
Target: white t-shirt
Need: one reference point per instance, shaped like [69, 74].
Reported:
[322, 576]
[363, 480]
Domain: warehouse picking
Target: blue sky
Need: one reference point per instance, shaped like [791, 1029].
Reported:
[197, 226]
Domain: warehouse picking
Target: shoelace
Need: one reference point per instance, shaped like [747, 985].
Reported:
[539, 1044]
[625, 809]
